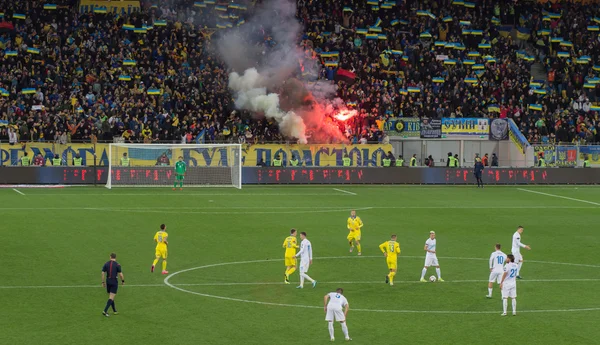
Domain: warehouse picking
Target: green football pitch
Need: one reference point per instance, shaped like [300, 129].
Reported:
[226, 265]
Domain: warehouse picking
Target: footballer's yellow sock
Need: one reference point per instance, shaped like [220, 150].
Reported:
[391, 275]
[358, 247]
[164, 265]
[286, 272]
[291, 270]
[155, 262]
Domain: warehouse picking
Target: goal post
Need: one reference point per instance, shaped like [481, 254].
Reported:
[153, 165]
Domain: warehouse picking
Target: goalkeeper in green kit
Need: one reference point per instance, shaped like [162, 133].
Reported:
[180, 169]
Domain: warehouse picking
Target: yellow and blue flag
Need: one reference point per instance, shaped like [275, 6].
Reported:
[593, 28]
[378, 22]
[381, 37]
[19, 16]
[403, 92]
[240, 22]
[582, 61]
[124, 78]
[362, 31]
[28, 91]
[386, 6]
[468, 62]
[209, 2]
[438, 80]
[100, 10]
[371, 36]
[243, 8]
[447, 19]
[544, 32]
[596, 68]
[458, 2]
[331, 63]
[153, 91]
[33, 50]
[373, 2]
[140, 30]
[523, 33]
[394, 22]
[504, 30]
[471, 80]
[556, 39]
[473, 54]
[563, 54]
[425, 34]
[221, 8]
[535, 107]
[234, 6]
[449, 62]
[50, 6]
[10, 53]
[375, 29]
[566, 44]
[129, 63]
[496, 21]
[439, 43]
[128, 27]
[352, 104]
[484, 46]
[4, 92]
[589, 86]
[397, 52]
[469, 4]
[466, 31]
[595, 108]
[465, 22]
[493, 108]
[160, 23]
[540, 91]
[478, 66]
[413, 89]
[459, 46]
[348, 9]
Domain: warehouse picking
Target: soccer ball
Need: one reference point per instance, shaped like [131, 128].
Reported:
[432, 279]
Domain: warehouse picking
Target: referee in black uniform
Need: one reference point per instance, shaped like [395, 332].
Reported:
[109, 280]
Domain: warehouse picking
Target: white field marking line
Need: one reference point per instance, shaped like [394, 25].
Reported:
[58, 194]
[18, 191]
[558, 196]
[323, 258]
[166, 281]
[344, 191]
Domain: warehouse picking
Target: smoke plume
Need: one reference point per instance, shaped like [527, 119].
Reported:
[263, 81]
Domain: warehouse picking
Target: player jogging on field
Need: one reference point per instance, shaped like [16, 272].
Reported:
[431, 258]
[516, 249]
[508, 285]
[354, 226]
[390, 250]
[306, 257]
[180, 170]
[497, 260]
[110, 270]
[336, 309]
[161, 238]
[290, 244]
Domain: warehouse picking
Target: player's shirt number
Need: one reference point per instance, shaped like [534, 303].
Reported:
[289, 244]
[391, 248]
[513, 272]
[160, 238]
[500, 260]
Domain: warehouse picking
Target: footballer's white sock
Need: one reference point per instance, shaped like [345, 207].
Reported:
[514, 305]
[519, 267]
[305, 276]
[301, 279]
[490, 291]
[345, 330]
[423, 273]
[331, 330]
[439, 273]
[504, 304]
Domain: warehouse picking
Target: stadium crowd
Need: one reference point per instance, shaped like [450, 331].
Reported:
[69, 76]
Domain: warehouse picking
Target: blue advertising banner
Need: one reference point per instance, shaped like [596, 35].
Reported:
[453, 127]
[405, 127]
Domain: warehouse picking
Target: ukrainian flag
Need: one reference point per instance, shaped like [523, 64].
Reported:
[10, 53]
[594, 80]
[352, 104]
[544, 32]
[381, 37]
[346, 9]
[221, 8]
[556, 39]
[586, 57]
[33, 50]
[100, 10]
[595, 108]
[458, 2]
[374, 8]
[160, 23]
[523, 33]
[326, 55]
[378, 22]
[153, 91]
[236, 6]
[469, 4]
[563, 54]
[425, 35]
[209, 2]
[19, 16]
[459, 47]
[233, 16]
[478, 66]
[413, 89]
[403, 22]
[535, 107]
[439, 43]
[438, 80]
[596, 68]
[471, 80]
[540, 91]
[147, 27]
[28, 91]
[491, 60]
[224, 16]
[49, 6]
[484, 46]
[373, 2]
[404, 58]
[375, 29]
[393, 3]
[581, 61]
[129, 63]
[596, 19]
[243, 8]
[535, 84]
[154, 6]
[371, 36]
[589, 86]
[221, 26]
[504, 30]
[473, 54]
[493, 108]
[449, 62]
[199, 4]
[140, 30]
[386, 6]
[394, 22]
[546, 19]
[1, 15]
[496, 21]
[529, 58]
[465, 22]
[477, 32]
[450, 45]
[128, 27]
[447, 19]
[422, 13]
[554, 15]
[593, 28]
[331, 64]
[396, 52]
[403, 92]
[566, 44]
[229, 25]
[466, 32]
[4, 92]
[361, 31]
[124, 78]
[468, 62]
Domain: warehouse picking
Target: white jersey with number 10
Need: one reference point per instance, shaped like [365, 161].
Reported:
[497, 260]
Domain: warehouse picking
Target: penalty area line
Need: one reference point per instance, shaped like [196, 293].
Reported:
[344, 191]
[18, 191]
[558, 196]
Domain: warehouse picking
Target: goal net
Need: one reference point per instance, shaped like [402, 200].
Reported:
[156, 165]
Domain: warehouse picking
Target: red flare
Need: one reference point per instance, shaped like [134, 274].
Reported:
[344, 115]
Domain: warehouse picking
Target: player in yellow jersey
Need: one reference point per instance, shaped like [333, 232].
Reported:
[390, 250]
[290, 244]
[161, 239]
[354, 225]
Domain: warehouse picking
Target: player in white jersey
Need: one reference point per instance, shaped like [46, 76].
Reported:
[496, 268]
[431, 257]
[305, 254]
[508, 285]
[516, 249]
[336, 309]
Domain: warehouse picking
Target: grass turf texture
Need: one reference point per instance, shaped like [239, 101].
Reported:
[62, 237]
